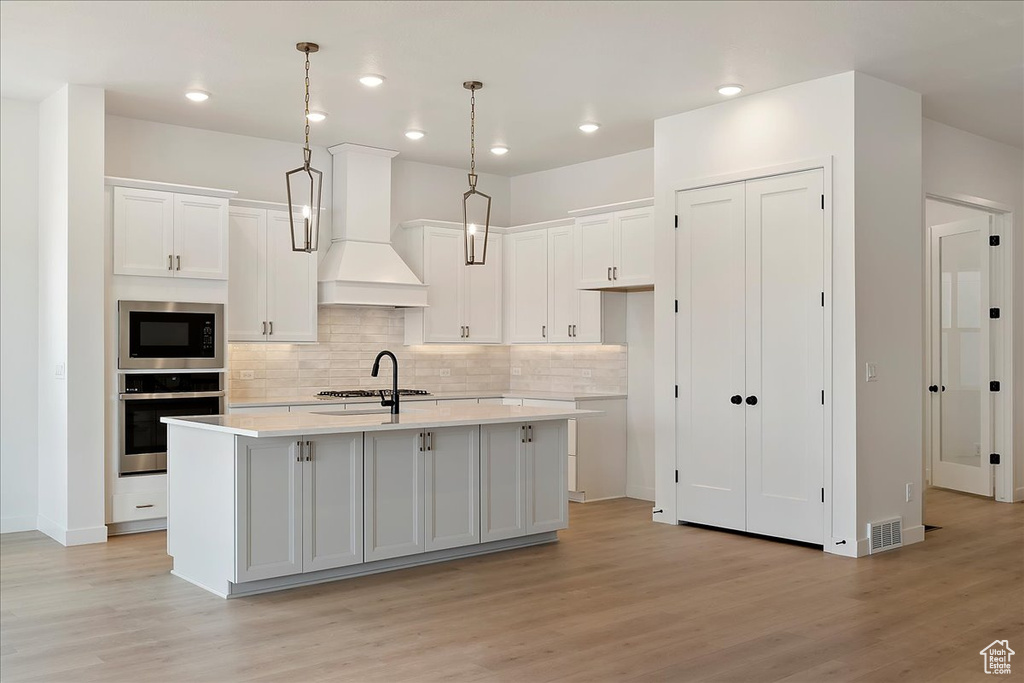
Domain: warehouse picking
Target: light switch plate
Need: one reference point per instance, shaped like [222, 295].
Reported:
[59, 371]
[247, 374]
[517, 371]
[871, 372]
[587, 372]
[446, 372]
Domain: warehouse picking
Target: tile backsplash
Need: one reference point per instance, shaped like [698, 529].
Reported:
[351, 336]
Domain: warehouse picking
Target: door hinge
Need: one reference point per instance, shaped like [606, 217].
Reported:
[822, 495]
[677, 305]
[993, 240]
[823, 299]
[993, 313]
[677, 391]
[822, 202]
[677, 476]
[993, 459]
[993, 385]
[822, 397]
[677, 220]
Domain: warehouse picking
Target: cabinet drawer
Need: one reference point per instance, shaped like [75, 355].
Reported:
[128, 507]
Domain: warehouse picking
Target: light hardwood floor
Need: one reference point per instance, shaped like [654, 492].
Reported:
[619, 598]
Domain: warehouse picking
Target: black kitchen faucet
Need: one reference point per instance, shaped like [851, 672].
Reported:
[393, 402]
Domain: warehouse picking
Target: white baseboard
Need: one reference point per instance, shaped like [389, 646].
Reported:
[913, 534]
[1018, 494]
[139, 526]
[640, 492]
[51, 529]
[10, 525]
[69, 537]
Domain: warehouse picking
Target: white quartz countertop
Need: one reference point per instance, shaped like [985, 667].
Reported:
[298, 424]
[447, 396]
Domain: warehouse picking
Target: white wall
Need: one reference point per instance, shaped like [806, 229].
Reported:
[426, 191]
[547, 195]
[19, 288]
[958, 163]
[640, 404]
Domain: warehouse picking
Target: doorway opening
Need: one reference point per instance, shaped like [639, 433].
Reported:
[968, 345]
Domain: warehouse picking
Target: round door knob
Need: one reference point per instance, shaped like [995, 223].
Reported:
[751, 400]
[737, 399]
[934, 388]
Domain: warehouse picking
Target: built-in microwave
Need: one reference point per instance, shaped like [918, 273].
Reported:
[159, 335]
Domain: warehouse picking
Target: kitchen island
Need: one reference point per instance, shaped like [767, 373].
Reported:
[258, 503]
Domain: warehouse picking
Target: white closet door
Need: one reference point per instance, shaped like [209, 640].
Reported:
[785, 340]
[710, 356]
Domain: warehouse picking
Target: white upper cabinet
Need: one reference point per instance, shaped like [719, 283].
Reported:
[271, 289]
[168, 234]
[464, 302]
[527, 291]
[616, 250]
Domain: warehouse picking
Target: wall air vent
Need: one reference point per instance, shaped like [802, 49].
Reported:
[885, 535]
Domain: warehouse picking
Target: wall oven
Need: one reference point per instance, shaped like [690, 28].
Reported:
[156, 335]
[145, 398]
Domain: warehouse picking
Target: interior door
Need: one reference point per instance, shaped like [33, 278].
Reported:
[482, 294]
[528, 287]
[443, 266]
[710, 356]
[785, 356]
[961, 435]
[291, 285]
[562, 297]
[247, 284]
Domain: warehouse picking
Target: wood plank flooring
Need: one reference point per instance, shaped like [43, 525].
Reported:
[619, 598]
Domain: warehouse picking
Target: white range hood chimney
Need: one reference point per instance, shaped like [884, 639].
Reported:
[361, 267]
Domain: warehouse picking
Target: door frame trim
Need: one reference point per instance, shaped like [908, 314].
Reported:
[668, 417]
[1002, 413]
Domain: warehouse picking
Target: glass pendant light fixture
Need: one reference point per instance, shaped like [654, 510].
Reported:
[305, 184]
[476, 206]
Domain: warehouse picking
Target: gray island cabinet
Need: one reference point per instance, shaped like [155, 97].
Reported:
[258, 503]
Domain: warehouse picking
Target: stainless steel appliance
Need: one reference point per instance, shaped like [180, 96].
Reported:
[155, 335]
[145, 398]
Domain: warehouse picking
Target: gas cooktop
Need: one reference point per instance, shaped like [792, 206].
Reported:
[369, 393]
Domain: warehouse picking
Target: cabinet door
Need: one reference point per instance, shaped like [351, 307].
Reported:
[784, 359]
[291, 285]
[451, 488]
[443, 274]
[332, 494]
[634, 248]
[482, 309]
[392, 494]
[528, 287]
[710, 328]
[268, 508]
[502, 481]
[143, 232]
[562, 293]
[247, 286]
[200, 237]
[594, 251]
[547, 481]
[590, 318]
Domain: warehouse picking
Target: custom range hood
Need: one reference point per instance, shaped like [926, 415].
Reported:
[361, 267]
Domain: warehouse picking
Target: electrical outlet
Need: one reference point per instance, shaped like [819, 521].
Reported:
[247, 374]
[58, 371]
[517, 371]
[587, 372]
[446, 372]
[910, 492]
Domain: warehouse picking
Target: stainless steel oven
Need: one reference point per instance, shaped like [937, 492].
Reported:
[145, 398]
[156, 335]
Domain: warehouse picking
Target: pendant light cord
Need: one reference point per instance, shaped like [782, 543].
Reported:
[472, 132]
[306, 152]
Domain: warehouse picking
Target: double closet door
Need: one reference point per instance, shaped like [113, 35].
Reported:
[750, 260]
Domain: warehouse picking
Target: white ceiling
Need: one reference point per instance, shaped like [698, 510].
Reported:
[546, 66]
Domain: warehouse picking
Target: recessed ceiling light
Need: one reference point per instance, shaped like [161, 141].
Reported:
[499, 150]
[414, 134]
[371, 80]
[197, 95]
[730, 89]
[316, 116]
[589, 127]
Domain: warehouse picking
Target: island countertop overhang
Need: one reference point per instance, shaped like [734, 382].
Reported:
[307, 424]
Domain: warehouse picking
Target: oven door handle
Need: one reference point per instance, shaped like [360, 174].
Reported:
[172, 394]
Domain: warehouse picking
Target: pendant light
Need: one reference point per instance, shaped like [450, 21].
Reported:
[305, 184]
[476, 206]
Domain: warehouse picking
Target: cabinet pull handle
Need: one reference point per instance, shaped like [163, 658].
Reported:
[271, 324]
[568, 330]
[430, 441]
[467, 331]
[264, 327]
[615, 272]
[147, 505]
[751, 400]
[522, 434]
[421, 442]
[529, 433]
[574, 330]
[170, 262]
[178, 257]
[736, 399]
[544, 331]
[309, 451]
[609, 273]
[298, 458]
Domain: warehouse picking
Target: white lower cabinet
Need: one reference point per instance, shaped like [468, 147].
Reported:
[298, 505]
[421, 491]
[523, 479]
